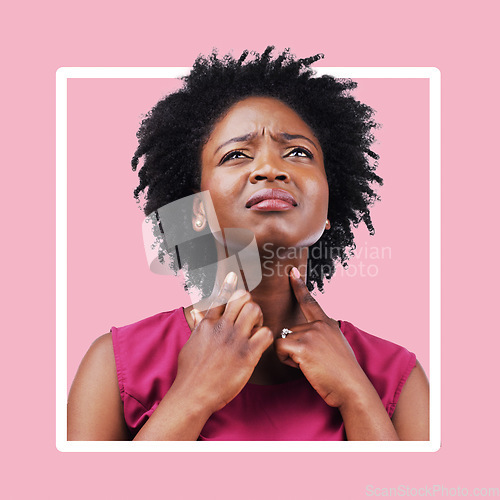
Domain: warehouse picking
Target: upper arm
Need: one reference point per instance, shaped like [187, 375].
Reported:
[95, 408]
[411, 416]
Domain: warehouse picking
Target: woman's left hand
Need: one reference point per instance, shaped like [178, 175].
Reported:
[321, 351]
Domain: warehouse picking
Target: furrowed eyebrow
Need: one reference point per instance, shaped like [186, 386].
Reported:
[283, 135]
[243, 138]
[291, 137]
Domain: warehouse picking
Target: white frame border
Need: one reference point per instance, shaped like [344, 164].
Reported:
[434, 76]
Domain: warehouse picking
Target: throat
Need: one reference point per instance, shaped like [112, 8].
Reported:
[271, 371]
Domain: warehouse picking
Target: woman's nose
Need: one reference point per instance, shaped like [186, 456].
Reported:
[268, 170]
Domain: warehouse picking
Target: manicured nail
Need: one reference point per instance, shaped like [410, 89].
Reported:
[231, 278]
[295, 273]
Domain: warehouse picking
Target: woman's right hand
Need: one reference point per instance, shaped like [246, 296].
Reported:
[227, 343]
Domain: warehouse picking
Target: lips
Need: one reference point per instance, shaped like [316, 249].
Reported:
[271, 200]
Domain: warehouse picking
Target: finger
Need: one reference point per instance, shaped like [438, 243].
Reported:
[236, 303]
[310, 308]
[290, 349]
[197, 316]
[290, 362]
[261, 340]
[250, 317]
[281, 347]
[216, 309]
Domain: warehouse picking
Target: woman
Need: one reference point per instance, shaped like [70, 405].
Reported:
[287, 156]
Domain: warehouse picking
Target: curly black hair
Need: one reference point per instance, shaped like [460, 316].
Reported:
[173, 133]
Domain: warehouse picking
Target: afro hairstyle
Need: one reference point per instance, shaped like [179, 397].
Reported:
[172, 135]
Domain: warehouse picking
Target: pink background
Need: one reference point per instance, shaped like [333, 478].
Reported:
[39, 38]
[387, 281]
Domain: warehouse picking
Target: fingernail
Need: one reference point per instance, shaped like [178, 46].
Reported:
[231, 278]
[295, 272]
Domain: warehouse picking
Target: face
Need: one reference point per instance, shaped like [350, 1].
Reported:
[264, 170]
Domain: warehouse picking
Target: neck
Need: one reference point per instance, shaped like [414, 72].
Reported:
[280, 309]
[276, 299]
[274, 293]
[278, 303]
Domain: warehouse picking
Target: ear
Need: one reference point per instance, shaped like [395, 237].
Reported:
[199, 219]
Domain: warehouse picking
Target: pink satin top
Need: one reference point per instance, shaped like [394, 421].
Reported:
[146, 362]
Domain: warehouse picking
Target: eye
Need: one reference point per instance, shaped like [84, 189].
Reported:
[300, 153]
[233, 155]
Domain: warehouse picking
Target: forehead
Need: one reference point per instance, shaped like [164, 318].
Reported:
[255, 114]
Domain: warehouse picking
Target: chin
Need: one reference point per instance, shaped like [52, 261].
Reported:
[287, 239]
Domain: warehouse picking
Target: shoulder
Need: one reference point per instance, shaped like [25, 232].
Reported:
[143, 337]
[365, 344]
[169, 322]
[386, 364]
[100, 355]
[411, 415]
[94, 404]
[145, 354]
[369, 348]
[158, 322]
